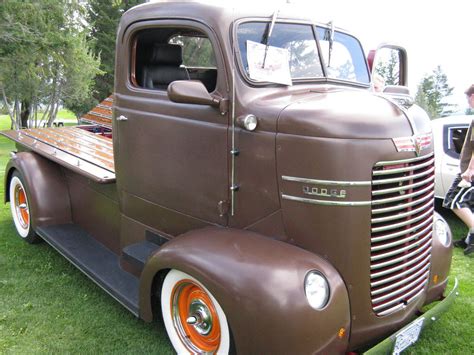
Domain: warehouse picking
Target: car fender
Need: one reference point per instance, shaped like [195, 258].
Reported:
[441, 256]
[259, 282]
[46, 188]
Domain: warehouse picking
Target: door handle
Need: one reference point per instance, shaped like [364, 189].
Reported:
[122, 118]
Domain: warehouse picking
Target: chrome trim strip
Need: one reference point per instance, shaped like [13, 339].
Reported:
[101, 115]
[104, 107]
[391, 310]
[400, 275]
[426, 254]
[400, 207]
[402, 170]
[401, 297]
[401, 282]
[404, 223]
[400, 258]
[402, 188]
[403, 232]
[401, 290]
[403, 197]
[415, 296]
[326, 182]
[403, 161]
[404, 178]
[325, 202]
[402, 215]
[402, 241]
[401, 250]
[88, 138]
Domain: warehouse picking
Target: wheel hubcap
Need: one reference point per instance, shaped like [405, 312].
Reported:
[21, 207]
[195, 317]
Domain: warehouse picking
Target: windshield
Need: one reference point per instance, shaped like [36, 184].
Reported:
[347, 58]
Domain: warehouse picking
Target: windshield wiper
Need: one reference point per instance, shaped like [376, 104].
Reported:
[329, 36]
[268, 34]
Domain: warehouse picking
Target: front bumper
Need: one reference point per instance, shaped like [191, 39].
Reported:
[387, 346]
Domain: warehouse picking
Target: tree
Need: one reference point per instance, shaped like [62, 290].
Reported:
[104, 16]
[432, 91]
[388, 69]
[45, 58]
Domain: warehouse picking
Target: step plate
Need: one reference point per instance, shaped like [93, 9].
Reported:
[96, 261]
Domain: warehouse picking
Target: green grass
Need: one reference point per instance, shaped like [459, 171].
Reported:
[67, 115]
[48, 306]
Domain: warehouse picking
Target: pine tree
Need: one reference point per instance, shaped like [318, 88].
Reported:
[389, 70]
[432, 91]
[104, 16]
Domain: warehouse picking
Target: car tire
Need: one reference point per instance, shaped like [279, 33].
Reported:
[194, 320]
[20, 209]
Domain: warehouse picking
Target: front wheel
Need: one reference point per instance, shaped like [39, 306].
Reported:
[20, 209]
[194, 320]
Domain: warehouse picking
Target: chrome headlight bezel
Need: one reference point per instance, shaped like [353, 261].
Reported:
[316, 289]
[442, 232]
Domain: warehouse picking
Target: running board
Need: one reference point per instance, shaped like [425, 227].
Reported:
[137, 254]
[100, 264]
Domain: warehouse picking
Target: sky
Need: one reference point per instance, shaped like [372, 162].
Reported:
[435, 32]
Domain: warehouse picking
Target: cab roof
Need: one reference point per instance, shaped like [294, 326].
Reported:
[213, 14]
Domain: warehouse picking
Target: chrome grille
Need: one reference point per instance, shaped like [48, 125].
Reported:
[401, 231]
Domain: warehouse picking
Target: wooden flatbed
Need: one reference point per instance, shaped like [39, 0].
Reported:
[76, 148]
[101, 114]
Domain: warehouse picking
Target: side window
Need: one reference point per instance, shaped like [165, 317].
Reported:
[454, 140]
[197, 51]
[163, 55]
[198, 58]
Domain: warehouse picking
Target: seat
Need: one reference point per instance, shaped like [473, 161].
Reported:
[164, 67]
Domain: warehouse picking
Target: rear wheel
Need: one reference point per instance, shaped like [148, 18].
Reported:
[20, 208]
[193, 318]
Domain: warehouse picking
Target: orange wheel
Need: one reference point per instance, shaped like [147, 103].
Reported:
[194, 320]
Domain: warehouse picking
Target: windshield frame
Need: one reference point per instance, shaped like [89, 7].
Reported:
[324, 79]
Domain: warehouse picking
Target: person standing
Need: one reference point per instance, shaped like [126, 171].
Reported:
[460, 196]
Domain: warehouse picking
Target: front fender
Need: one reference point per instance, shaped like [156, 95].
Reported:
[259, 282]
[440, 264]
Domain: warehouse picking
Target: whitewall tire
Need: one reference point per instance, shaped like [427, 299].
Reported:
[20, 209]
[194, 320]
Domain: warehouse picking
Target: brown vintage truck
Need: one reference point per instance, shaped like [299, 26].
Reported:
[250, 187]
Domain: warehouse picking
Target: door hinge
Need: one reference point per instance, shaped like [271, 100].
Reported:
[224, 106]
[223, 208]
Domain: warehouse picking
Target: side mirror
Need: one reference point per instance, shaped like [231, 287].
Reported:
[388, 64]
[191, 92]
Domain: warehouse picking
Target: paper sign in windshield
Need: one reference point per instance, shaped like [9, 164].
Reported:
[276, 68]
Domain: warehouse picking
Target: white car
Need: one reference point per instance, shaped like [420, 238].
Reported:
[448, 135]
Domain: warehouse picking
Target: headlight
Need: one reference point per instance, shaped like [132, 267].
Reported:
[441, 230]
[316, 288]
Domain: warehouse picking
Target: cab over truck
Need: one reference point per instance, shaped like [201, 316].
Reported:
[250, 188]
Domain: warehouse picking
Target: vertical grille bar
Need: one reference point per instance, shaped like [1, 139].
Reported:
[401, 231]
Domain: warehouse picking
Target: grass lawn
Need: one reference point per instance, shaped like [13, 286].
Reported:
[67, 115]
[48, 306]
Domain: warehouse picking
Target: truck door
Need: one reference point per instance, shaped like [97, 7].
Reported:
[170, 158]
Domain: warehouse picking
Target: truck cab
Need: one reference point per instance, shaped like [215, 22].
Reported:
[251, 175]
